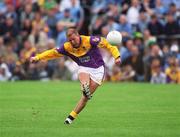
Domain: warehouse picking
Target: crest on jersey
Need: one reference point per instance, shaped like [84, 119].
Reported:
[84, 59]
[95, 39]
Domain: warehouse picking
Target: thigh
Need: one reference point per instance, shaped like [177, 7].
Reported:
[84, 78]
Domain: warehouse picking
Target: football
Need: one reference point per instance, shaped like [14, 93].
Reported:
[114, 37]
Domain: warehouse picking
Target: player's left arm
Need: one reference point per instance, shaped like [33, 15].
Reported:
[112, 49]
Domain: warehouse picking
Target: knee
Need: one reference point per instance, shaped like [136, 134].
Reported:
[86, 91]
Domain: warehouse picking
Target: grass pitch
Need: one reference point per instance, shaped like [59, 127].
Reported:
[37, 109]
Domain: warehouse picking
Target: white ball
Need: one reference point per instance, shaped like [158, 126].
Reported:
[114, 37]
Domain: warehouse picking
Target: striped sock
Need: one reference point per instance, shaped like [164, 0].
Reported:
[71, 117]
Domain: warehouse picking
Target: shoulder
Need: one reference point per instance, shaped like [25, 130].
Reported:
[67, 45]
[64, 48]
[92, 40]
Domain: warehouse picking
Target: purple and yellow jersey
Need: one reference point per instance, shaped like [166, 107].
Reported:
[87, 54]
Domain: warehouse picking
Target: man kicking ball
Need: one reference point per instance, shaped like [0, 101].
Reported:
[84, 50]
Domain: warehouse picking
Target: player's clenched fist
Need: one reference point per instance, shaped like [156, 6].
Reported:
[34, 59]
[118, 61]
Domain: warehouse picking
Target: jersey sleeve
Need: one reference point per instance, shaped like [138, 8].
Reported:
[112, 49]
[49, 55]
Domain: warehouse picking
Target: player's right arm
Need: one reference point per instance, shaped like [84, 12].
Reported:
[46, 55]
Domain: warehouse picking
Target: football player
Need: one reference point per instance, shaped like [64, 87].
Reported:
[84, 50]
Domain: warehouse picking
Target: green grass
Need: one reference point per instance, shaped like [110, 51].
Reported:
[37, 109]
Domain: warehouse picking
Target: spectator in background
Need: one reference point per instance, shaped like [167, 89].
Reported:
[11, 57]
[18, 73]
[67, 20]
[159, 9]
[157, 75]
[2, 22]
[174, 50]
[42, 70]
[124, 27]
[38, 37]
[116, 74]
[154, 26]
[9, 29]
[172, 26]
[97, 26]
[128, 73]
[26, 29]
[112, 25]
[51, 44]
[51, 22]
[98, 6]
[104, 31]
[126, 50]
[173, 10]
[10, 12]
[61, 34]
[77, 13]
[2, 47]
[114, 10]
[136, 62]
[143, 21]
[27, 13]
[125, 6]
[166, 3]
[166, 55]
[52, 63]
[3, 7]
[147, 6]
[67, 4]
[32, 72]
[148, 38]
[155, 53]
[139, 42]
[173, 71]
[5, 74]
[38, 21]
[61, 72]
[133, 14]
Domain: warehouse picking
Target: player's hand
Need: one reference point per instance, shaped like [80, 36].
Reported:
[33, 59]
[118, 61]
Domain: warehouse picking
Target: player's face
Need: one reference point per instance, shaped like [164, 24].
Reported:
[74, 39]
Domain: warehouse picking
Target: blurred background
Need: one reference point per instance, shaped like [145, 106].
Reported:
[149, 51]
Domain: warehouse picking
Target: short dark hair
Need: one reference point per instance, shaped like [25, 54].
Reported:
[73, 29]
[153, 16]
